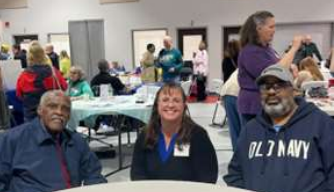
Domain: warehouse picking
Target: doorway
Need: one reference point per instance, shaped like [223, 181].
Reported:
[188, 41]
[24, 40]
[230, 33]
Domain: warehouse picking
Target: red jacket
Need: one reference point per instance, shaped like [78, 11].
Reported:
[33, 82]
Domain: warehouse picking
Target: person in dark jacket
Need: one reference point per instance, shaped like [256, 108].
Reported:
[286, 148]
[52, 55]
[308, 49]
[43, 156]
[105, 78]
[173, 147]
[20, 55]
[230, 61]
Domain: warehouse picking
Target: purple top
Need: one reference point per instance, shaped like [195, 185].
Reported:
[253, 59]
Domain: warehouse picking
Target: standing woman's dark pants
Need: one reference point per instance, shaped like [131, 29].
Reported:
[201, 81]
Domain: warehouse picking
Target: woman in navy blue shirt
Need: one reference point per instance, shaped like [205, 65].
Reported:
[173, 147]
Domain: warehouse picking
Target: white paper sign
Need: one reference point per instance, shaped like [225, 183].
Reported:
[182, 151]
[105, 91]
[11, 69]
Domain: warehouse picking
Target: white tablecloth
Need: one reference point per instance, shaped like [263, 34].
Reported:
[325, 104]
[125, 105]
[155, 186]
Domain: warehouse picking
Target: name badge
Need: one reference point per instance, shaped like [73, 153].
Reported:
[182, 151]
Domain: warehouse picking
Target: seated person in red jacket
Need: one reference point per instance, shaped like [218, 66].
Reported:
[36, 79]
[43, 156]
[173, 147]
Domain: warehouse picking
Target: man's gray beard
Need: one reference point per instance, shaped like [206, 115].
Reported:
[278, 110]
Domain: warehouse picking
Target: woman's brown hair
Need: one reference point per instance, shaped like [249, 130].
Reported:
[154, 126]
[232, 49]
[248, 32]
[310, 65]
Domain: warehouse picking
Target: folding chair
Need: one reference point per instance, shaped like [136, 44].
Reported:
[216, 86]
[5, 112]
[186, 87]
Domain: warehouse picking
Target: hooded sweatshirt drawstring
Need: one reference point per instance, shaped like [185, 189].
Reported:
[264, 156]
[286, 164]
[285, 158]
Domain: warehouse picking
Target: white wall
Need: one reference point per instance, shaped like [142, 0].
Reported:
[46, 16]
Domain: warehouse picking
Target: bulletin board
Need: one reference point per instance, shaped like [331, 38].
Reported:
[13, 4]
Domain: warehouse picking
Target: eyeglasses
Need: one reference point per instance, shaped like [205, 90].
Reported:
[277, 87]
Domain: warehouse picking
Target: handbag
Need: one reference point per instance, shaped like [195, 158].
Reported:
[193, 88]
[55, 83]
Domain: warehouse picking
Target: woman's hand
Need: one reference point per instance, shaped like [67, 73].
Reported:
[288, 57]
[297, 42]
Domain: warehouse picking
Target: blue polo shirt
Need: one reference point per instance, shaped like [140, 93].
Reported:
[163, 151]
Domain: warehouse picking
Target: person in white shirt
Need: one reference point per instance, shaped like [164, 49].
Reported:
[229, 94]
[200, 65]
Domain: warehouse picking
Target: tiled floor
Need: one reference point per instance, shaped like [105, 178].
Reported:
[202, 113]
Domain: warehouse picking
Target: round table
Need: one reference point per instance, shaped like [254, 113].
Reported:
[155, 186]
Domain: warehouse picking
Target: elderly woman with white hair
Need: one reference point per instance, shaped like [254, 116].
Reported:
[78, 87]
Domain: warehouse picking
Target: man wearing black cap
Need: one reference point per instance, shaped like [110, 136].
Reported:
[287, 147]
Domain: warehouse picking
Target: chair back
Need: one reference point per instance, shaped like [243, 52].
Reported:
[216, 85]
[186, 87]
[103, 90]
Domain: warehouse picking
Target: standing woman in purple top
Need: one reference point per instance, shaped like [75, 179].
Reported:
[256, 54]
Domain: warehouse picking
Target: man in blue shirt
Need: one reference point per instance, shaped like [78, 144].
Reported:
[43, 156]
[170, 60]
